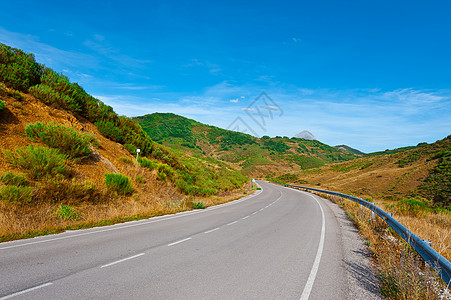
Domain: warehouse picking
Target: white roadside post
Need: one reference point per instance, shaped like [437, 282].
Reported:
[253, 183]
[137, 152]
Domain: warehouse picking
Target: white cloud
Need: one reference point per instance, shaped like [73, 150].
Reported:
[234, 100]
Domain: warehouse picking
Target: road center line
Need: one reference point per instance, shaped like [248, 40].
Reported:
[181, 241]
[311, 279]
[122, 260]
[26, 291]
[234, 222]
[244, 218]
[217, 228]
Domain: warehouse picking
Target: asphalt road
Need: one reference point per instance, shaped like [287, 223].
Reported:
[276, 244]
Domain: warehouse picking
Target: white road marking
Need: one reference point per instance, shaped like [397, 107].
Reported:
[244, 218]
[181, 241]
[212, 230]
[255, 212]
[234, 222]
[311, 279]
[26, 291]
[121, 260]
[118, 225]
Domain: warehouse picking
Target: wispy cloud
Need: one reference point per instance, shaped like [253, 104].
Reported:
[46, 54]
[100, 44]
[212, 68]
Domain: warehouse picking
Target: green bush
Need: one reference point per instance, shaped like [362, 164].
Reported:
[3, 89]
[165, 171]
[92, 139]
[199, 205]
[130, 148]
[66, 139]
[9, 178]
[18, 70]
[2, 105]
[16, 95]
[109, 130]
[119, 183]
[38, 161]
[140, 179]
[147, 163]
[67, 212]
[16, 194]
[49, 96]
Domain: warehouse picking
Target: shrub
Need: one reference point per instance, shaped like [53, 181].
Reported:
[165, 171]
[2, 105]
[118, 183]
[16, 194]
[18, 69]
[68, 140]
[38, 161]
[16, 95]
[3, 89]
[92, 139]
[147, 163]
[109, 130]
[199, 205]
[67, 212]
[131, 148]
[140, 179]
[9, 178]
[49, 96]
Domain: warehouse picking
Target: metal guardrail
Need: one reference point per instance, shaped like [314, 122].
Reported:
[430, 255]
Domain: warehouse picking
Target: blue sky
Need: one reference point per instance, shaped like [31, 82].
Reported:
[369, 74]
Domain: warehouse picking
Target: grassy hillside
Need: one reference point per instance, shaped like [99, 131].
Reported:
[67, 159]
[423, 171]
[256, 157]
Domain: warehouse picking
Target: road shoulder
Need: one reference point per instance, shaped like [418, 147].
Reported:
[363, 283]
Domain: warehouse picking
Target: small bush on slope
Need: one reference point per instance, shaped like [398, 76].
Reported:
[66, 139]
[38, 161]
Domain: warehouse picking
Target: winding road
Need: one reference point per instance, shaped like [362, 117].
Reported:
[278, 243]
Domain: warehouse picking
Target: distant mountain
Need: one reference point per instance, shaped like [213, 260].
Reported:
[306, 135]
[253, 156]
[347, 149]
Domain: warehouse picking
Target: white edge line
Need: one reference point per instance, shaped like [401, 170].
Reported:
[231, 223]
[122, 260]
[26, 291]
[244, 218]
[311, 279]
[212, 230]
[178, 215]
[181, 241]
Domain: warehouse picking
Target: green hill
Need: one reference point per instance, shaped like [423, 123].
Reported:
[256, 157]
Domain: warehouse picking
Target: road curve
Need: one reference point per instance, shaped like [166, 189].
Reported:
[276, 244]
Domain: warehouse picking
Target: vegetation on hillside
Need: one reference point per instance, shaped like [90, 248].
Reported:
[254, 156]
